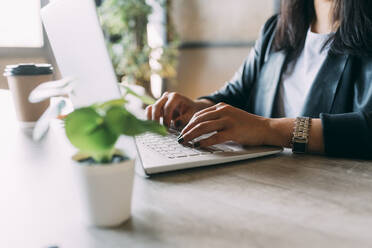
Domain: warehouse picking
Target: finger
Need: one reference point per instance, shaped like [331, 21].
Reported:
[176, 114]
[157, 108]
[218, 138]
[149, 112]
[211, 108]
[201, 129]
[214, 107]
[195, 115]
[185, 114]
[182, 120]
[208, 116]
[169, 109]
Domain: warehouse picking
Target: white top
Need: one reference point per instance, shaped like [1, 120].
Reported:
[300, 74]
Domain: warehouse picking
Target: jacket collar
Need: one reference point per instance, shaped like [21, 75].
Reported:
[322, 94]
[268, 82]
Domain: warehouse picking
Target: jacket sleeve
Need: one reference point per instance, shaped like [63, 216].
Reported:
[348, 135]
[236, 91]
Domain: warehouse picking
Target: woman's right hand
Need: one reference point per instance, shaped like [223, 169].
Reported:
[175, 107]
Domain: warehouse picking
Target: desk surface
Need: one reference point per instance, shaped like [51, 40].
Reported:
[280, 201]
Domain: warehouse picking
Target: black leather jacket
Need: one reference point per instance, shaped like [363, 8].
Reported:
[341, 94]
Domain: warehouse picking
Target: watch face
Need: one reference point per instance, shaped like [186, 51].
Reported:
[299, 147]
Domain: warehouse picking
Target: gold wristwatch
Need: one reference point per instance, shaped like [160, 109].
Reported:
[300, 138]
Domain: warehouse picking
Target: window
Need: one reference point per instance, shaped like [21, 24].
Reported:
[20, 24]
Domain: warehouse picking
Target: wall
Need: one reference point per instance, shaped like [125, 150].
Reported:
[9, 56]
[217, 36]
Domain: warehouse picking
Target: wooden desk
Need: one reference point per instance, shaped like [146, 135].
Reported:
[280, 201]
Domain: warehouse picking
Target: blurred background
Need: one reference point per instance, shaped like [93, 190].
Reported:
[213, 37]
[216, 36]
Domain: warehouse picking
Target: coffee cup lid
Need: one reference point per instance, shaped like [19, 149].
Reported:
[28, 69]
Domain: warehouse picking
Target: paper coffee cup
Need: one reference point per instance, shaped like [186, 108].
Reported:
[22, 79]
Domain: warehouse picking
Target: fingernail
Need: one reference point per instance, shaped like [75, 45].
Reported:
[197, 144]
[181, 140]
[178, 123]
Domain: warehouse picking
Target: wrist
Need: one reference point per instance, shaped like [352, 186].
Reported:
[278, 132]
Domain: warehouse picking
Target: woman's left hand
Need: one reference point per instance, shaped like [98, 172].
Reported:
[229, 123]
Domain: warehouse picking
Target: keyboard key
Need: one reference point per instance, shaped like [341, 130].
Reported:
[169, 147]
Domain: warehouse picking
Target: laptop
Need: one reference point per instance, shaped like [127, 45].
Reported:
[78, 44]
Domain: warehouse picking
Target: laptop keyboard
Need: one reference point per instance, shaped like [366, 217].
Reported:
[168, 146]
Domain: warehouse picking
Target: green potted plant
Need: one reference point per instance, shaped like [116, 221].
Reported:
[106, 173]
[125, 24]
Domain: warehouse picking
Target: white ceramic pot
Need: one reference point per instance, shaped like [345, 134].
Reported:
[106, 191]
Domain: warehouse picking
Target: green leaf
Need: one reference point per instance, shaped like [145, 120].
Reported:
[121, 121]
[145, 98]
[154, 127]
[88, 132]
[116, 102]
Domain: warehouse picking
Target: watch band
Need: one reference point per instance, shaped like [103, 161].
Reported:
[300, 138]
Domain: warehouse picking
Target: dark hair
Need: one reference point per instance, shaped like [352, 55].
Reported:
[353, 35]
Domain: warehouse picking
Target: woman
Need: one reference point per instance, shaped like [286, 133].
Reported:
[313, 60]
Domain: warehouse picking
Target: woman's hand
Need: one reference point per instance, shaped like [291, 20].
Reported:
[175, 107]
[233, 124]
[229, 123]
